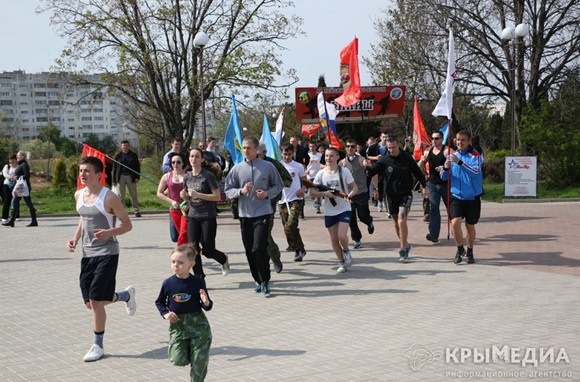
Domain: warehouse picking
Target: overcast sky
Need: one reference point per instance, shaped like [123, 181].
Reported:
[29, 43]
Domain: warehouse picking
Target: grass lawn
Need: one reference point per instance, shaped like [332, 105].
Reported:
[494, 192]
[49, 200]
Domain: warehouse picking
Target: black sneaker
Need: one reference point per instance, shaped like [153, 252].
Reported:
[470, 259]
[460, 253]
[278, 265]
[137, 214]
[431, 238]
[371, 228]
[265, 289]
[299, 255]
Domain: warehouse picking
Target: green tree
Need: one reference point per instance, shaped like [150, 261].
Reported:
[8, 146]
[50, 133]
[38, 149]
[68, 148]
[109, 145]
[145, 52]
[93, 141]
[73, 173]
[60, 178]
[551, 133]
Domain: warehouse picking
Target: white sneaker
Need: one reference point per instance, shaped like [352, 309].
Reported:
[380, 207]
[347, 258]
[226, 267]
[341, 268]
[131, 305]
[95, 352]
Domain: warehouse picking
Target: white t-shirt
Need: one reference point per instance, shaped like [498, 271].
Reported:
[333, 181]
[296, 170]
[314, 164]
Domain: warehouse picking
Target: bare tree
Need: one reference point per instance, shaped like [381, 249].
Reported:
[144, 50]
[415, 35]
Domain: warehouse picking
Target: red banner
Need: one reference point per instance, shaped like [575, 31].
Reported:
[349, 75]
[376, 103]
[88, 151]
[420, 136]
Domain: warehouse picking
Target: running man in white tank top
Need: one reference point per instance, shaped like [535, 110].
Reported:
[98, 209]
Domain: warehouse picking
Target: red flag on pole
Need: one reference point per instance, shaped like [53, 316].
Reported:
[349, 75]
[88, 151]
[334, 142]
[309, 130]
[420, 136]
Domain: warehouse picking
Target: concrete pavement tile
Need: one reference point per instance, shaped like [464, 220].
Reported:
[318, 325]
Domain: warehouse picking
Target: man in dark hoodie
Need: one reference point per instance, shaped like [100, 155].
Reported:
[398, 168]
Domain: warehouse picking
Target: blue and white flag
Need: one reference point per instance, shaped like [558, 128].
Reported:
[233, 138]
[327, 113]
[272, 147]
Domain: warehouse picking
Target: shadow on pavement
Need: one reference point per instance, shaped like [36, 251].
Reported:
[246, 353]
[527, 258]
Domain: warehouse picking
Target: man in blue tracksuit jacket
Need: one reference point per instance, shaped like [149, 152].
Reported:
[466, 188]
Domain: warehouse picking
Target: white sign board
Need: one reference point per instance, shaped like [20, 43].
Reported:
[521, 176]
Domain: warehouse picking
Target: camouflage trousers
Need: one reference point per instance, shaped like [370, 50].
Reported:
[290, 221]
[189, 343]
[273, 249]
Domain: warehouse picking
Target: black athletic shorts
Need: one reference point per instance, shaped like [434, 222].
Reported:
[399, 205]
[468, 209]
[98, 277]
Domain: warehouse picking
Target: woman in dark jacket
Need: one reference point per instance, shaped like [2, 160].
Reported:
[22, 169]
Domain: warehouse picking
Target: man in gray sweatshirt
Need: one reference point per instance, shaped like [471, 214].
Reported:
[254, 182]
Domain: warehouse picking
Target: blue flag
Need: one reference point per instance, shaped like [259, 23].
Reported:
[233, 139]
[445, 131]
[272, 147]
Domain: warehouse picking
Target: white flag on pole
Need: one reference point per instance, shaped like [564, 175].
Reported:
[278, 134]
[445, 105]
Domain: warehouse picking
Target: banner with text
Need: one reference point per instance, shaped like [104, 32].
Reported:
[376, 103]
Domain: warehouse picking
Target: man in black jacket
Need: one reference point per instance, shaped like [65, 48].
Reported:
[127, 172]
[398, 168]
[300, 152]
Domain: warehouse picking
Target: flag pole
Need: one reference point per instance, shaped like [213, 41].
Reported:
[449, 132]
[283, 120]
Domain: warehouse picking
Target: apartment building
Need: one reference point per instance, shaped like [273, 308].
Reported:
[29, 101]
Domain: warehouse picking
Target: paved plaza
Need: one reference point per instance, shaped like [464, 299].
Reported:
[427, 320]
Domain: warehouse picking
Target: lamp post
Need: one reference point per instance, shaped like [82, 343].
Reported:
[200, 41]
[513, 35]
